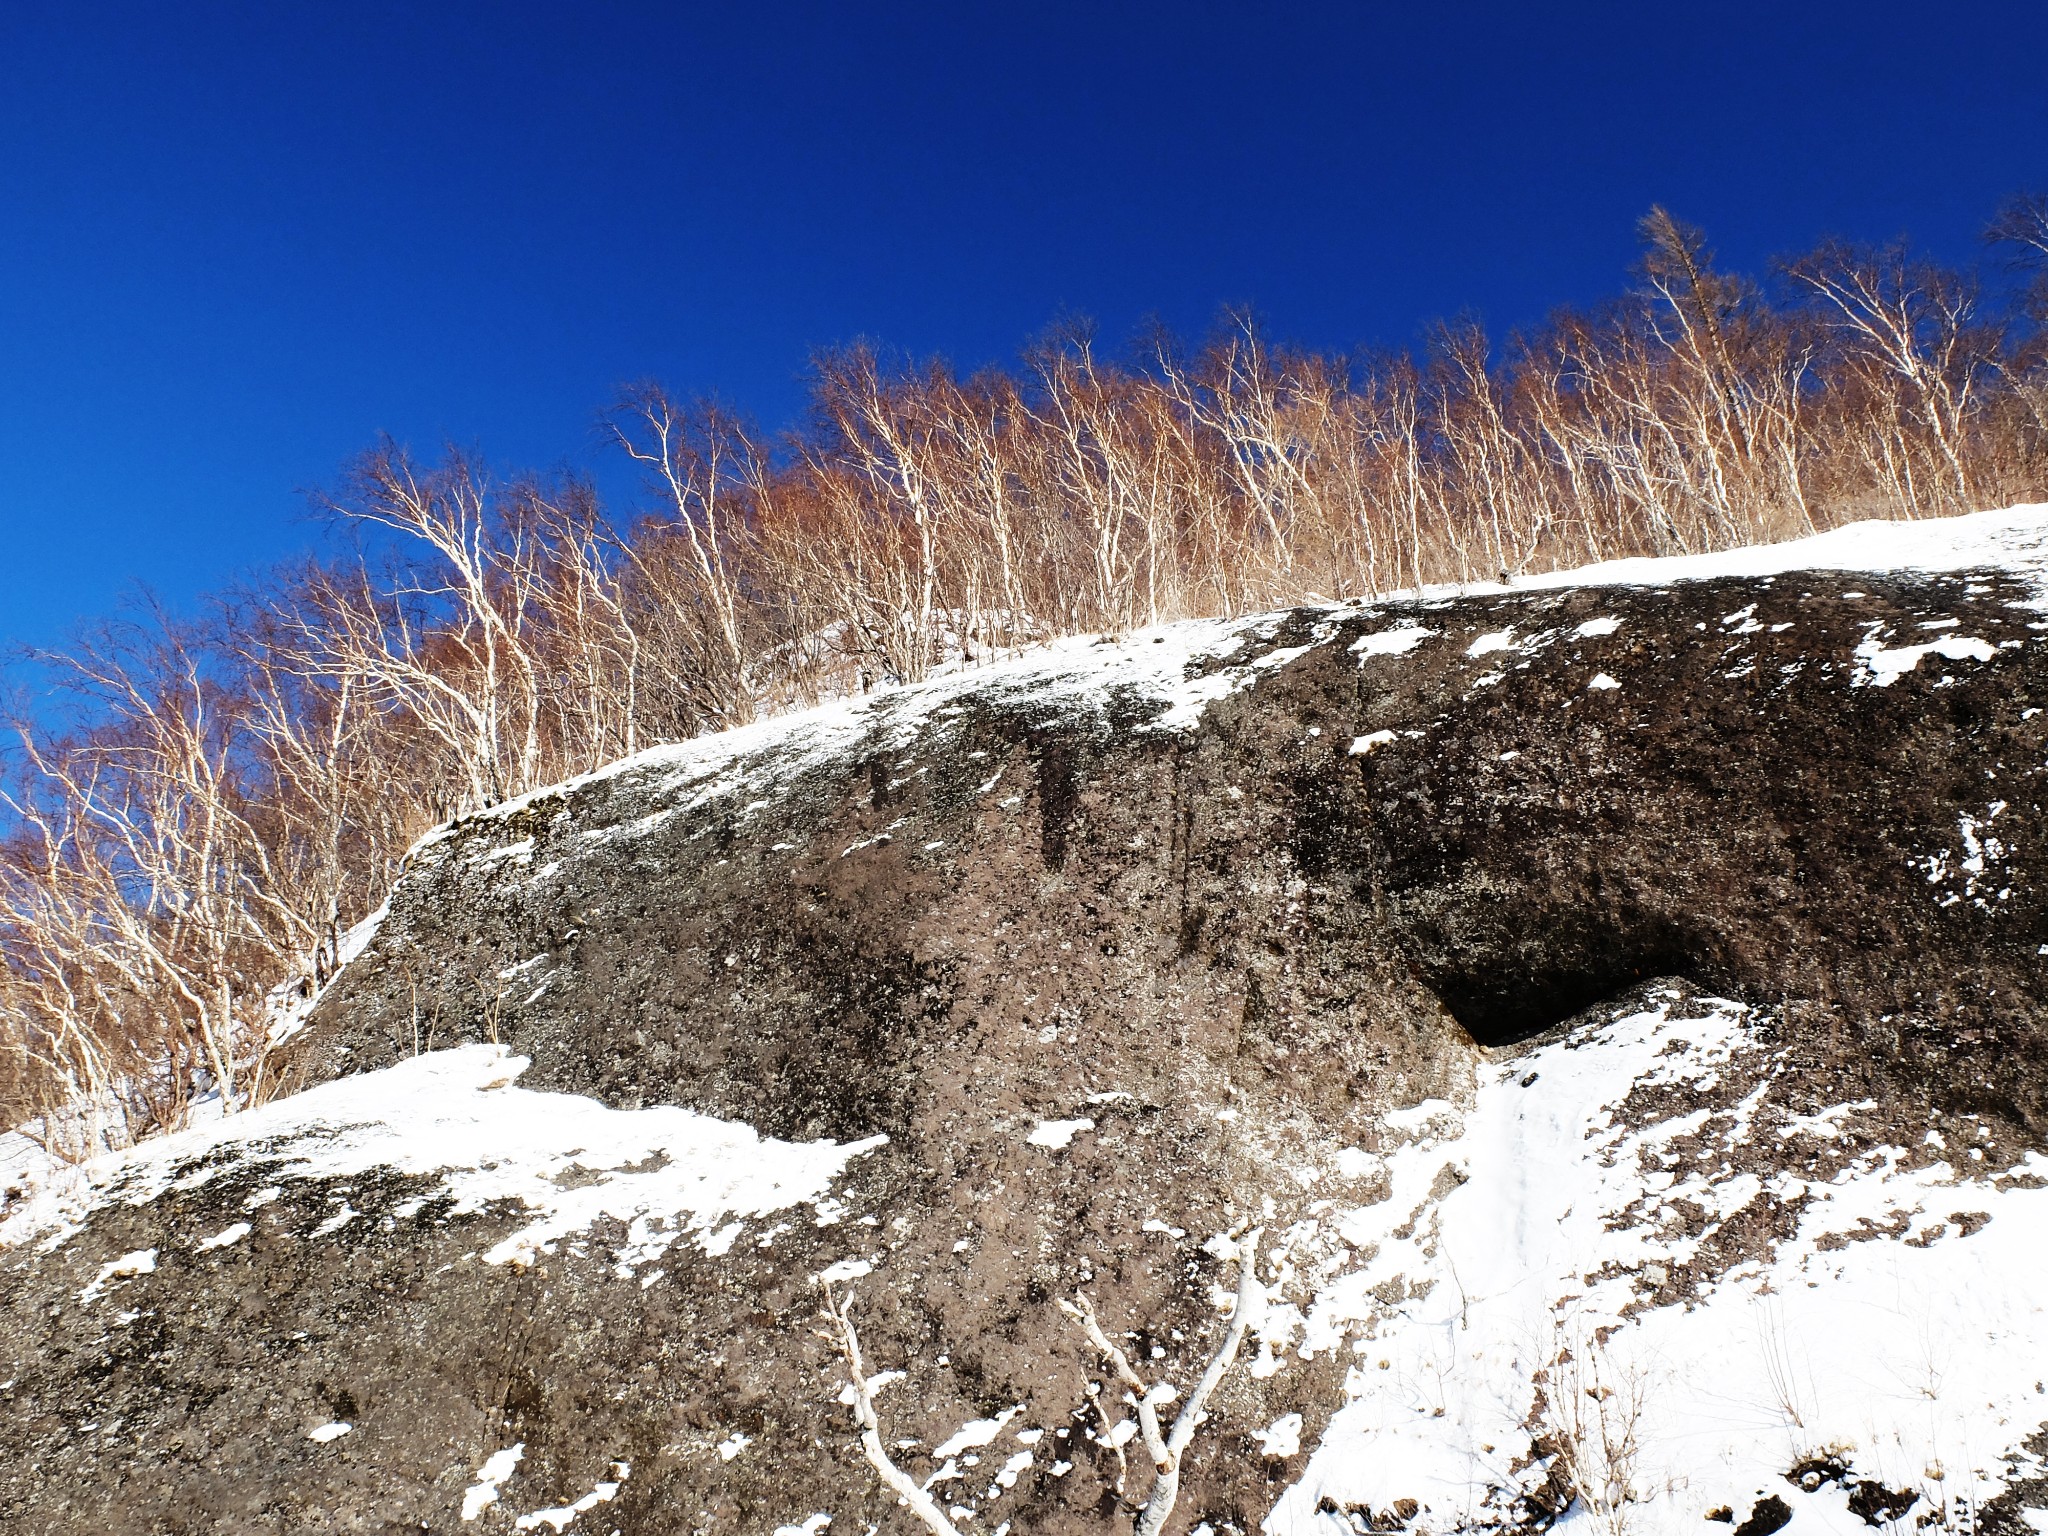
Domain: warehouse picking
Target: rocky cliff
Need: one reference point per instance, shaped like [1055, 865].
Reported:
[1618, 1002]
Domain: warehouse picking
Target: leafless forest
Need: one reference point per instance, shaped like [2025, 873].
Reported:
[230, 792]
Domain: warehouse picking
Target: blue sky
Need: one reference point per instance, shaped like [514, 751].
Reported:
[237, 241]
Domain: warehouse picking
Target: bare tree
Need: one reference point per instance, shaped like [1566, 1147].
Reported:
[704, 463]
[147, 913]
[1921, 326]
[450, 646]
[1591, 1412]
[2022, 221]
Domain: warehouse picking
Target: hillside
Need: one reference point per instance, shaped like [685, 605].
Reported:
[1615, 999]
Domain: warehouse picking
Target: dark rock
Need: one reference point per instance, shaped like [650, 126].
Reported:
[1770, 1513]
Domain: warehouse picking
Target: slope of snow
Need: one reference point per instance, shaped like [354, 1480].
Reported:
[665, 1173]
[2012, 538]
[1901, 1330]
[1187, 666]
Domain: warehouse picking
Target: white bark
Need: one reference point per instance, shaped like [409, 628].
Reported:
[893, 1477]
[1169, 1448]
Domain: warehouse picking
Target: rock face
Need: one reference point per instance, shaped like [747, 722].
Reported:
[1123, 949]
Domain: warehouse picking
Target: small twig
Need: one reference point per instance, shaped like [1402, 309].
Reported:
[1123, 1466]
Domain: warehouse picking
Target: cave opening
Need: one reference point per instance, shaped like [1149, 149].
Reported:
[1526, 984]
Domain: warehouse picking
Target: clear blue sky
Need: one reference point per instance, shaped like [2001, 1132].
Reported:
[239, 241]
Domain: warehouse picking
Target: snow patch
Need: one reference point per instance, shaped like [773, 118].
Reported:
[289, 1007]
[1879, 667]
[490, 1477]
[1486, 645]
[141, 1262]
[877, 1383]
[1057, 1134]
[568, 1161]
[976, 1433]
[562, 1516]
[1398, 641]
[1282, 1437]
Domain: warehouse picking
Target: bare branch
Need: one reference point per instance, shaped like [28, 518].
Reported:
[923, 1505]
[1168, 1450]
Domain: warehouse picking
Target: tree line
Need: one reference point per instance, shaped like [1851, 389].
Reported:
[227, 793]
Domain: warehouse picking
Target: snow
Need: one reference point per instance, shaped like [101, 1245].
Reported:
[562, 1516]
[1982, 872]
[1398, 641]
[490, 1478]
[2012, 538]
[1486, 645]
[289, 1008]
[1282, 1437]
[877, 1384]
[976, 1433]
[328, 1433]
[30, 1174]
[337, 1221]
[1880, 667]
[141, 1262]
[225, 1238]
[357, 939]
[456, 1116]
[1602, 683]
[1521, 1230]
[1057, 1134]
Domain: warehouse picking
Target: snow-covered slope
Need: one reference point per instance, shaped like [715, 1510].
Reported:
[1182, 668]
[1628, 1256]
